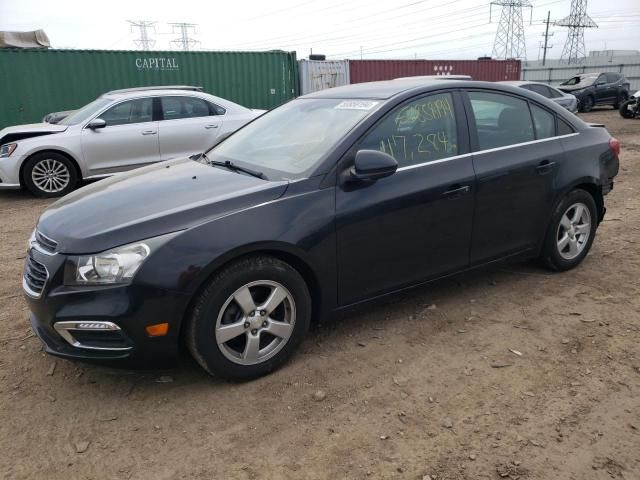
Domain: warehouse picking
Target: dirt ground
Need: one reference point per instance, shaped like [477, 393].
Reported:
[507, 373]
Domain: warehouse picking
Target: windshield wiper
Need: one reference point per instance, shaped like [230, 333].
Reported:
[232, 166]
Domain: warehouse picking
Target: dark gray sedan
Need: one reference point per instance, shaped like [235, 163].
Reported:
[566, 100]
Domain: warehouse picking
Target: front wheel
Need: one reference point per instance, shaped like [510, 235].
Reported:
[587, 104]
[571, 231]
[49, 174]
[249, 319]
[625, 112]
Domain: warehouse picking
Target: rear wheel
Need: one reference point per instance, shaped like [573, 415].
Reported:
[587, 104]
[620, 99]
[49, 174]
[249, 319]
[571, 232]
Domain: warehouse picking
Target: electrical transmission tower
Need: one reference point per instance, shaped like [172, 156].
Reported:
[574, 50]
[144, 42]
[509, 42]
[184, 42]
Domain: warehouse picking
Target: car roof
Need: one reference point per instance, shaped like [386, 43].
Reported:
[384, 90]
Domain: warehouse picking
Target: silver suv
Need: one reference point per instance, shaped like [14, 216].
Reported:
[119, 131]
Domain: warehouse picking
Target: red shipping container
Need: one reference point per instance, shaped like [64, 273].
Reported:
[488, 70]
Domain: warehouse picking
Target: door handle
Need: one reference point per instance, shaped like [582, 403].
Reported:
[149, 132]
[545, 166]
[456, 191]
[210, 126]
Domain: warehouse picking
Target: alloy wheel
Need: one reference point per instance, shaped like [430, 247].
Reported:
[50, 175]
[573, 231]
[255, 322]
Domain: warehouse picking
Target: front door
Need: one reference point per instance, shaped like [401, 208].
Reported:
[188, 126]
[129, 139]
[415, 224]
[515, 159]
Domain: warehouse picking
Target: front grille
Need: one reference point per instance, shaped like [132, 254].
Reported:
[35, 275]
[46, 243]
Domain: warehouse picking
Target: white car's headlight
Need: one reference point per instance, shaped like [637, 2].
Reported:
[7, 149]
[115, 266]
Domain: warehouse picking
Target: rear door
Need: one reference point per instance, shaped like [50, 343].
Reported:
[188, 125]
[515, 159]
[129, 139]
[416, 223]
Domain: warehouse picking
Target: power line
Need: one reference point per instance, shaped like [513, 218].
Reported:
[510, 41]
[143, 42]
[184, 42]
[574, 50]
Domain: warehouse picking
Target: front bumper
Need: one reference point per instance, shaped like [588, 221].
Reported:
[129, 307]
[10, 172]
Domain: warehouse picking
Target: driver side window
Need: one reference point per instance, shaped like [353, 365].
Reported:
[132, 111]
[421, 131]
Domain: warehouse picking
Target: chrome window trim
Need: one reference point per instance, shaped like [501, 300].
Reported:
[490, 150]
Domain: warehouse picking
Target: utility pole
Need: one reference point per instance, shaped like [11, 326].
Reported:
[546, 39]
[184, 42]
[574, 50]
[510, 41]
[143, 42]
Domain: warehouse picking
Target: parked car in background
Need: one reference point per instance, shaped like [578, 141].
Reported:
[119, 131]
[609, 88]
[333, 199]
[631, 108]
[566, 100]
[56, 117]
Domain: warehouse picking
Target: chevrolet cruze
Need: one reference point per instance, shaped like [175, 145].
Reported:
[330, 200]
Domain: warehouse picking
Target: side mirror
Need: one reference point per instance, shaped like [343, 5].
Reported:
[96, 123]
[372, 165]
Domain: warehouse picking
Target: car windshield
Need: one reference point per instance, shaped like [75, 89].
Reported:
[585, 80]
[85, 112]
[290, 141]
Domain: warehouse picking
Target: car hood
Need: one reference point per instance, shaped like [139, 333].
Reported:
[20, 132]
[150, 201]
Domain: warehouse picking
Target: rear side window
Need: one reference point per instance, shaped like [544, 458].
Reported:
[564, 128]
[501, 120]
[544, 122]
[555, 93]
[418, 132]
[612, 77]
[184, 107]
[541, 89]
[131, 111]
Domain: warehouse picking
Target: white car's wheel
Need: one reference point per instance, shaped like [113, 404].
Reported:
[49, 174]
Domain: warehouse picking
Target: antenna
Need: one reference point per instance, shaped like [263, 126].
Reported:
[184, 42]
[574, 50]
[509, 41]
[144, 42]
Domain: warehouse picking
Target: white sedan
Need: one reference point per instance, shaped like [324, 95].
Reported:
[119, 131]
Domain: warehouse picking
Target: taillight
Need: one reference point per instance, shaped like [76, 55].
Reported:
[614, 145]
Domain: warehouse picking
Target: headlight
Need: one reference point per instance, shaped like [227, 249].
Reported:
[115, 266]
[7, 149]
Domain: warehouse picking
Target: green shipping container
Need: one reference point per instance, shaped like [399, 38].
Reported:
[34, 82]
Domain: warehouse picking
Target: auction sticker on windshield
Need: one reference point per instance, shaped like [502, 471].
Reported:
[356, 105]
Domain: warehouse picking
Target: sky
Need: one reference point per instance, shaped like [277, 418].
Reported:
[402, 29]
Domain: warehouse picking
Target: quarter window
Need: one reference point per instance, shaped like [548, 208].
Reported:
[184, 107]
[541, 89]
[132, 111]
[501, 120]
[420, 131]
[564, 128]
[544, 122]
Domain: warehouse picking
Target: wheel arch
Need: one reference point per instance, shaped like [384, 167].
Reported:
[282, 251]
[50, 150]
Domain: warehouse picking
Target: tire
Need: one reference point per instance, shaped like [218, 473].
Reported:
[220, 332]
[49, 174]
[563, 249]
[587, 104]
[624, 111]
